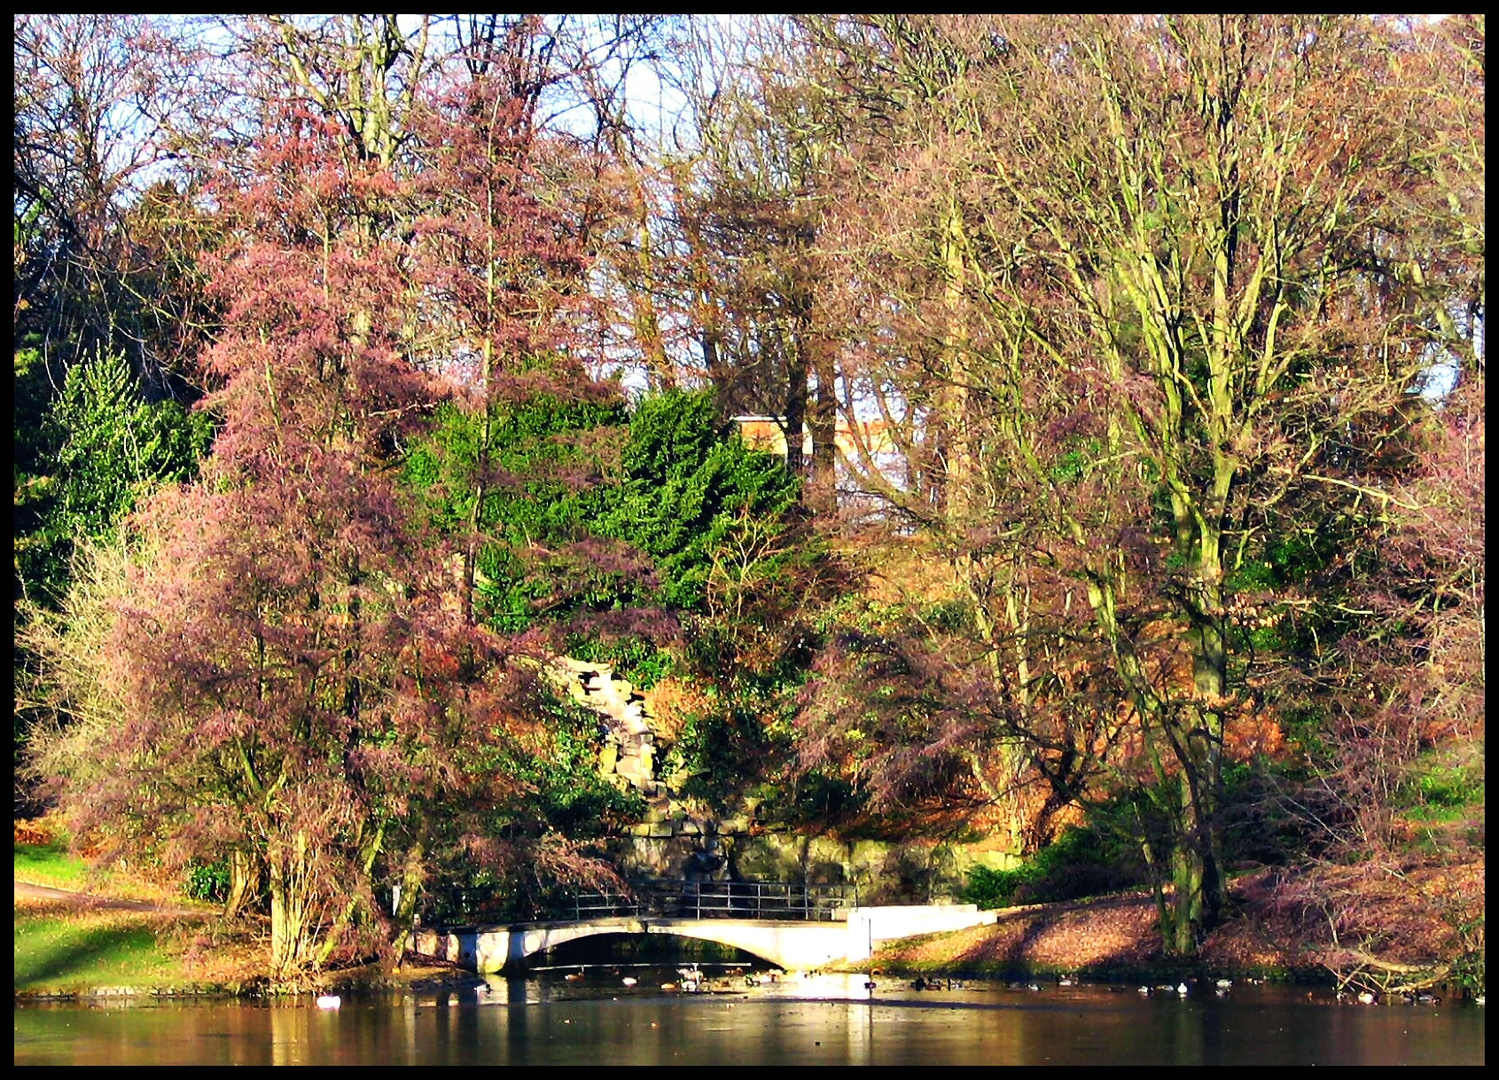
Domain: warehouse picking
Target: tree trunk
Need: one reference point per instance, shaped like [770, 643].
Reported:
[648, 337]
[404, 913]
[821, 409]
[958, 470]
[244, 883]
[291, 922]
[795, 408]
[1180, 938]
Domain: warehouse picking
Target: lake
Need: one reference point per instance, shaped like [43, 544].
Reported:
[825, 1020]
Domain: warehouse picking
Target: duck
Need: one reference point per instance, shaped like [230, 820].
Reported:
[329, 1001]
[629, 980]
[573, 976]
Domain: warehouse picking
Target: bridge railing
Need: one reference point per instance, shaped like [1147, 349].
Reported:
[747, 900]
[662, 898]
[593, 905]
[694, 899]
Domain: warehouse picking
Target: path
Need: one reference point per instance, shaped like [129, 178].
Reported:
[89, 900]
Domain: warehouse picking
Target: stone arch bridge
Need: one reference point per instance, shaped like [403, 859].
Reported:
[787, 943]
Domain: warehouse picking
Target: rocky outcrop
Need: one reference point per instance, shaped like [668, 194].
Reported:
[629, 751]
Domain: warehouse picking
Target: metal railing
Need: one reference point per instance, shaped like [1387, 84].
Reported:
[676, 898]
[706, 899]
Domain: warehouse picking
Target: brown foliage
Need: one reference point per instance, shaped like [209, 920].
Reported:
[294, 687]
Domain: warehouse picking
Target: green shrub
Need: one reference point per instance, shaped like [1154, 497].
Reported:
[208, 881]
[635, 659]
[990, 888]
[720, 748]
[1081, 862]
[1440, 789]
[692, 490]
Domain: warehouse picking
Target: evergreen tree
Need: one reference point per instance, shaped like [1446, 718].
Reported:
[106, 448]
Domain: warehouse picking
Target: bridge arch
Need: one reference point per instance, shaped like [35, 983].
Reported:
[552, 937]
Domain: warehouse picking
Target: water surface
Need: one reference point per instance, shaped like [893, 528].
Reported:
[828, 1020]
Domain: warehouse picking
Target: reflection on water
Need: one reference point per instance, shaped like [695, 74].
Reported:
[705, 981]
[828, 1019]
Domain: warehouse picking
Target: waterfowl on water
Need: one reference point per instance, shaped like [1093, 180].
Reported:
[329, 1001]
[629, 980]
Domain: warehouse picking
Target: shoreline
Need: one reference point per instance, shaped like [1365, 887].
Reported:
[1109, 939]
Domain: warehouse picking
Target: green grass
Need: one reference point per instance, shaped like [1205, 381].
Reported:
[63, 948]
[72, 952]
[1444, 788]
[54, 866]
[50, 864]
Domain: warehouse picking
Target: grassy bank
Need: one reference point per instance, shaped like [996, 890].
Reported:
[1116, 939]
[145, 939]
[50, 864]
[63, 950]
[114, 931]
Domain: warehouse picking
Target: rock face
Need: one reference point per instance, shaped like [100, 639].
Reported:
[629, 752]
